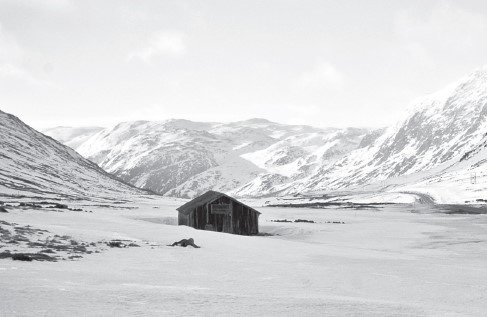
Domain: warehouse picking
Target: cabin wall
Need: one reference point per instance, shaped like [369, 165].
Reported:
[241, 220]
[205, 220]
[245, 220]
[183, 220]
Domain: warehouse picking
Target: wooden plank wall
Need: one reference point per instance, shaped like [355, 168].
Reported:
[245, 220]
[242, 220]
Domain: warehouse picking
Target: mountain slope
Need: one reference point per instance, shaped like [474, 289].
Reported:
[441, 139]
[153, 155]
[440, 130]
[71, 136]
[32, 164]
[184, 158]
[297, 158]
[461, 180]
[257, 157]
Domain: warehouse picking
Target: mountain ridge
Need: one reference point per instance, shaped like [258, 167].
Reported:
[258, 157]
[34, 164]
[443, 127]
[183, 158]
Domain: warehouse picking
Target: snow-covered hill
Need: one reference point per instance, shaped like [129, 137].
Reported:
[35, 165]
[184, 158]
[71, 136]
[433, 143]
[297, 158]
[460, 180]
[423, 149]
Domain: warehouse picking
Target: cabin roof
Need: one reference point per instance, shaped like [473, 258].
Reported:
[207, 198]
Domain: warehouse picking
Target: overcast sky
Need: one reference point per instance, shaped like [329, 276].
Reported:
[324, 63]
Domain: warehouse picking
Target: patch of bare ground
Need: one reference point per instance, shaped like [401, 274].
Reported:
[332, 204]
[26, 243]
[305, 221]
[39, 205]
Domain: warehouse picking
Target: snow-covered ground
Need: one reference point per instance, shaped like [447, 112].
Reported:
[393, 261]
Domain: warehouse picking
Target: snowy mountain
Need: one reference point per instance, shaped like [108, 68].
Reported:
[297, 158]
[71, 136]
[460, 180]
[439, 141]
[184, 158]
[441, 130]
[32, 164]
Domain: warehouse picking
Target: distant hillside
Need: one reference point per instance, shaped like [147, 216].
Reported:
[257, 157]
[184, 158]
[71, 136]
[33, 164]
[435, 149]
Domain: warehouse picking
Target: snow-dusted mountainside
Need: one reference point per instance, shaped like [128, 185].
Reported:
[460, 180]
[184, 158]
[440, 141]
[296, 158]
[441, 129]
[158, 156]
[35, 165]
[71, 136]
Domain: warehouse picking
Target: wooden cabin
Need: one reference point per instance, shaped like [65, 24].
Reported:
[218, 212]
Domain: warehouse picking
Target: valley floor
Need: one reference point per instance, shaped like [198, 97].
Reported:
[390, 261]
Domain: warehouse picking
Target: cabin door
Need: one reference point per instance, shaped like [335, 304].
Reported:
[219, 222]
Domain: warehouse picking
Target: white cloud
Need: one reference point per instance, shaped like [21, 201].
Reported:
[161, 43]
[323, 76]
[10, 53]
[53, 4]
[11, 61]
[44, 5]
[15, 72]
[447, 28]
[9, 49]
